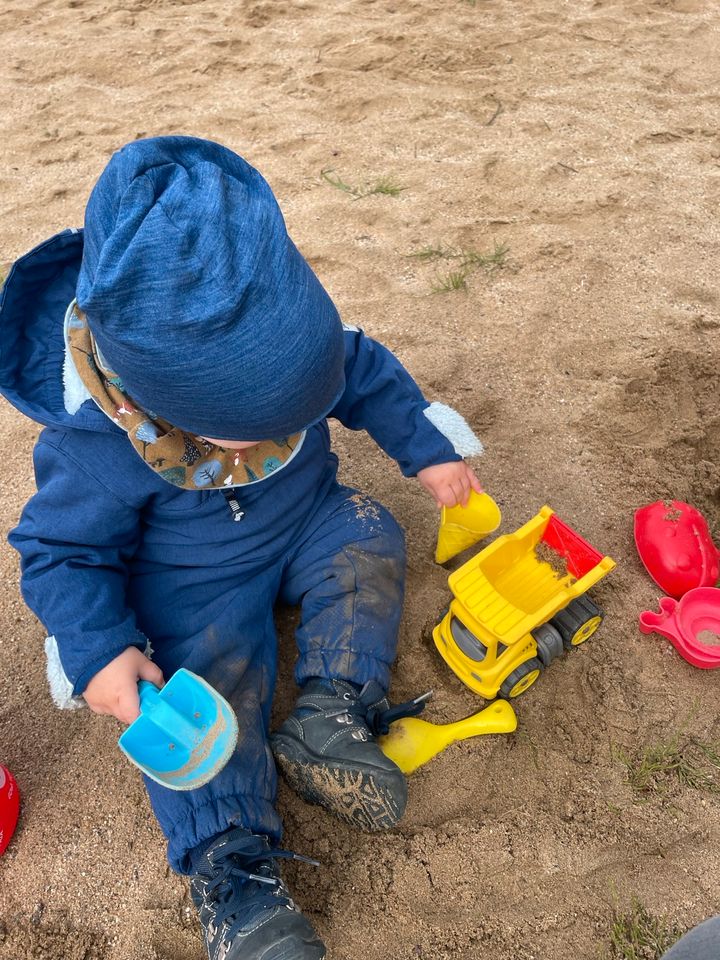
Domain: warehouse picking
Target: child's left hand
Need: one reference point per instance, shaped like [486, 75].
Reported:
[450, 483]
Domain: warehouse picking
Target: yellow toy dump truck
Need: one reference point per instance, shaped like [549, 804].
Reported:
[518, 604]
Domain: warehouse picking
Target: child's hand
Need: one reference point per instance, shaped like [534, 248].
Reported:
[114, 689]
[449, 483]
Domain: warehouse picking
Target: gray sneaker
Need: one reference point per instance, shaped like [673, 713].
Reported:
[328, 753]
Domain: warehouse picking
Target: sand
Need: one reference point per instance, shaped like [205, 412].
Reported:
[585, 137]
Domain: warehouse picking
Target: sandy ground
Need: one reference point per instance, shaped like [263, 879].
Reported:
[584, 136]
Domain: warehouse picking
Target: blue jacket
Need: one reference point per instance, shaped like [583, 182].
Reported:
[88, 525]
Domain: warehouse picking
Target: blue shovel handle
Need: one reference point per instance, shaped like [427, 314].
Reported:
[163, 715]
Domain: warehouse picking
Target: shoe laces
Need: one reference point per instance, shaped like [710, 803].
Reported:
[379, 714]
[245, 880]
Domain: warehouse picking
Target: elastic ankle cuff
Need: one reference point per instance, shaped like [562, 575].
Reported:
[214, 817]
[349, 665]
[327, 685]
[197, 853]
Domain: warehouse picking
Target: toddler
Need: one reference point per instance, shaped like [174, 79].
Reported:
[184, 360]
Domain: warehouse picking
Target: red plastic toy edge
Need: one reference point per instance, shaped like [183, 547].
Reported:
[10, 814]
[580, 556]
[696, 654]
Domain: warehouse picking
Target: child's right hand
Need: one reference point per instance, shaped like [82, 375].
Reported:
[114, 689]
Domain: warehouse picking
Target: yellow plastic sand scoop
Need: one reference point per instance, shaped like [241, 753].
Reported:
[461, 527]
[412, 742]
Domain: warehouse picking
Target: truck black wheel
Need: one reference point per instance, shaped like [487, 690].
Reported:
[578, 621]
[521, 678]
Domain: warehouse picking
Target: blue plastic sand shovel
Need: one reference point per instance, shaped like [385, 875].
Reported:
[185, 733]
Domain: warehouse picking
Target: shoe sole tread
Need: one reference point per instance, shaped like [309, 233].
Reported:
[357, 796]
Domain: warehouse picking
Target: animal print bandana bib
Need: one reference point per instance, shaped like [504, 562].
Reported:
[180, 458]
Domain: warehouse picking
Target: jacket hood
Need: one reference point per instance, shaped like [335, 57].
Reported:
[33, 302]
[199, 300]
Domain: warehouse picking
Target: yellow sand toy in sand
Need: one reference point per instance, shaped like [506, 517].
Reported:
[462, 527]
[518, 604]
[412, 742]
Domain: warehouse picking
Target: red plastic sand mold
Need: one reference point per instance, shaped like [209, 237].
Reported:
[692, 625]
[677, 550]
[675, 546]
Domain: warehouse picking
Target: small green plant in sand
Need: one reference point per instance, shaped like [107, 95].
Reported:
[486, 261]
[468, 260]
[682, 760]
[455, 280]
[385, 185]
[432, 253]
[638, 935]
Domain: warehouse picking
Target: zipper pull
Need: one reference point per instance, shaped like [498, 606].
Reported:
[232, 501]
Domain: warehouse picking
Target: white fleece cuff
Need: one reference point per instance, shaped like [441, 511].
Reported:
[456, 428]
[75, 393]
[61, 689]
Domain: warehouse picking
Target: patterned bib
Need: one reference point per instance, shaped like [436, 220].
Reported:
[180, 458]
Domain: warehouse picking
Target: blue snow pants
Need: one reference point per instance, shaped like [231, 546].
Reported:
[346, 570]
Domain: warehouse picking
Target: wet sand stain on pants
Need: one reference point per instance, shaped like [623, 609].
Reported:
[347, 572]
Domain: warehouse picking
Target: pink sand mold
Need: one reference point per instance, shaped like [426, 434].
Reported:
[681, 622]
[675, 546]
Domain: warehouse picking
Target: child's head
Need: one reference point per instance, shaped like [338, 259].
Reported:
[198, 298]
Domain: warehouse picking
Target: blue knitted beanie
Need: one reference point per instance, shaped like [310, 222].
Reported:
[198, 298]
